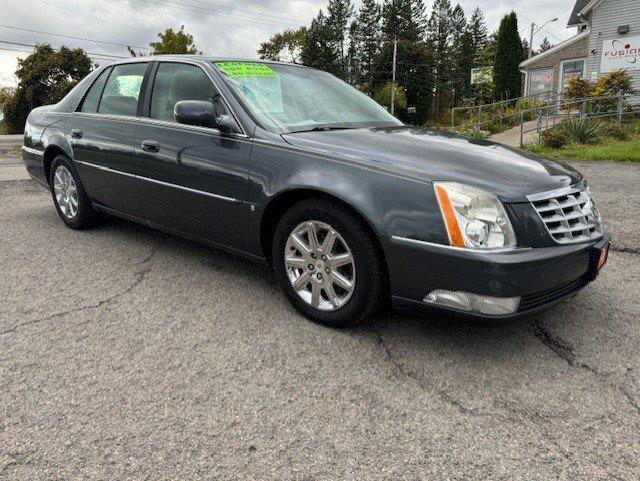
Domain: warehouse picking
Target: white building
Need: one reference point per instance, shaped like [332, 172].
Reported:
[607, 39]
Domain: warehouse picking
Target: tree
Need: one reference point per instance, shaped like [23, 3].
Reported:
[174, 42]
[439, 30]
[545, 45]
[366, 43]
[403, 19]
[383, 96]
[319, 49]
[462, 54]
[339, 17]
[509, 54]
[285, 46]
[478, 31]
[44, 77]
[414, 73]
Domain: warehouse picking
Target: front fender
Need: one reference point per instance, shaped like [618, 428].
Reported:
[392, 204]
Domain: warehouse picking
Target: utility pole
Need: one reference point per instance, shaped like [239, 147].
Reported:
[533, 25]
[393, 76]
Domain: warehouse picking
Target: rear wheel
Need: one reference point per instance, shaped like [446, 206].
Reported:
[328, 264]
[71, 200]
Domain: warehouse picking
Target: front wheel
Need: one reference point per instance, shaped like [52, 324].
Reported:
[328, 263]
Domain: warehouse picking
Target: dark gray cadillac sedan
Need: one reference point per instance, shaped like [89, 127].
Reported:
[291, 166]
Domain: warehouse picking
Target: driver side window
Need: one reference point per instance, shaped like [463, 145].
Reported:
[175, 82]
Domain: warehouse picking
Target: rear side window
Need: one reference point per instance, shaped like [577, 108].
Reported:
[122, 90]
[175, 82]
[91, 100]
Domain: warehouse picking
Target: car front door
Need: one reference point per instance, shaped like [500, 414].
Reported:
[101, 133]
[191, 179]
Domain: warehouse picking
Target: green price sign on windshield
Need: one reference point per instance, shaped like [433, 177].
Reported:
[246, 69]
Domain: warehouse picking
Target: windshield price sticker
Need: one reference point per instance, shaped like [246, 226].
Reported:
[246, 69]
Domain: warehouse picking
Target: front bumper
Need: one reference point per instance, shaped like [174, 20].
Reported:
[542, 277]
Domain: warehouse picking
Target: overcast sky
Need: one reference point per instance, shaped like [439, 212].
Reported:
[220, 27]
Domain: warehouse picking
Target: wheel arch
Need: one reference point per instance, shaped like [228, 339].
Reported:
[280, 203]
[50, 153]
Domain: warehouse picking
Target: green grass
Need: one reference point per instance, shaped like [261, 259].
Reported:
[608, 150]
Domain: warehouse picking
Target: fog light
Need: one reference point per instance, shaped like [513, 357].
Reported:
[476, 303]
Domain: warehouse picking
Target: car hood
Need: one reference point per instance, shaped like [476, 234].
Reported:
[431, 155]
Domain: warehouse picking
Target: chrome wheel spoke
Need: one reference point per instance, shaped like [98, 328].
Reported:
[296, 262]
[313, 236]
[329, 241]
[331, 294]
[341, 260]
[342, 281]
[302, 281]
[300, 245]
[315, 294]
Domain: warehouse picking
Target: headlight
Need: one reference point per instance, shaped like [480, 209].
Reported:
[474, 218]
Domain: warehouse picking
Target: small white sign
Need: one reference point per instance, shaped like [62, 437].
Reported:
[620, 53]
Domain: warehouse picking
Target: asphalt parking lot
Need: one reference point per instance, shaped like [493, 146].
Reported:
[129, 354]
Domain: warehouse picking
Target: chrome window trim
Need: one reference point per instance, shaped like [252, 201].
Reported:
[127, 118]
[195, 128]
[499, 250]
[159, 182]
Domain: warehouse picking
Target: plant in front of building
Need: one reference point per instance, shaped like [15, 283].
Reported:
[583, 131]
[613, 130]
[554, 138]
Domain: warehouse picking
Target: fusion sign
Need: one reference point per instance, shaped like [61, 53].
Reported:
[621, 53]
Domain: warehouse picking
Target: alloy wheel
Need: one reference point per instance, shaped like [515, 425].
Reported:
[320, 265]
[65, 191]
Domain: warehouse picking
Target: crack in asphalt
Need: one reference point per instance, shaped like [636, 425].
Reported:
[625, 250]
[566, 352]
[139, 278]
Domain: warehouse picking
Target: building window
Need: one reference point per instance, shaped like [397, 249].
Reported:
[569, 69]
[540, 81]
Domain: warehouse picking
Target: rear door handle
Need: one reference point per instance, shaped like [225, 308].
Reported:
[150, 146]
[77, 134]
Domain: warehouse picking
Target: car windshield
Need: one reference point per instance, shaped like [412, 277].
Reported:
[287, 98]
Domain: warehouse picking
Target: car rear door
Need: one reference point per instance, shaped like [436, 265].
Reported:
[193, 180]
[101, 133]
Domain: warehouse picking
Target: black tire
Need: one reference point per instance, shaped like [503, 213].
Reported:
[85, 216]
[370, 275]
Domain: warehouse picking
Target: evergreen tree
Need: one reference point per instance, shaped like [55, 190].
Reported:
[545, 45]
[478, 31]
[319, 48]
[339, 18]
[398, 20]
[414, 74]
[509, 54]
[439, 30]
[366, 43]
[462, 54]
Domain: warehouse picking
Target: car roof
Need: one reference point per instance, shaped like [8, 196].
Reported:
[202, 59]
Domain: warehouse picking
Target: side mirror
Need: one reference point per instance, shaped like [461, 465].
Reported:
[202, 114]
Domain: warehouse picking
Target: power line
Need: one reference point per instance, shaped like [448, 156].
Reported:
[57, 48]
[553, 35]
[196, 9]
[93, 56]
[69, 36]
[217, 5]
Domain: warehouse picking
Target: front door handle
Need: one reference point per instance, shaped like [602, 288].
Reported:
[150, 146]
[76, 134]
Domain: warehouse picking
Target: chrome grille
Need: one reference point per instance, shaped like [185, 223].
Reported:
[569, 215]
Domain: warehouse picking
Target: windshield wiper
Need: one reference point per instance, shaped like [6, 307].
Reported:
[320, 128]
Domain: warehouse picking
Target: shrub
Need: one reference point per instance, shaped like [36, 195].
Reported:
[579, 88]
[554, 138]
[609, 129]
[475, 133]
[584, 131]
